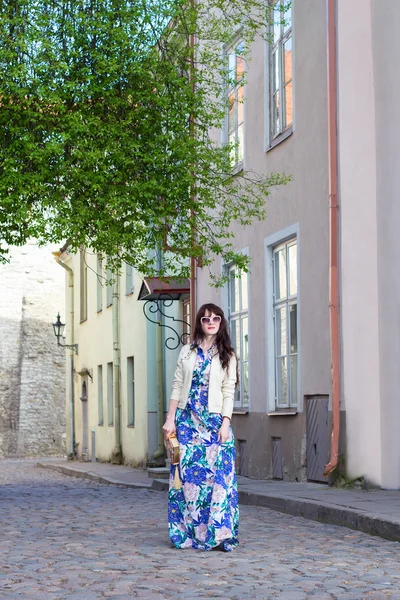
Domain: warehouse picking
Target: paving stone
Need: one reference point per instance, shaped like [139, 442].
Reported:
[75, 539]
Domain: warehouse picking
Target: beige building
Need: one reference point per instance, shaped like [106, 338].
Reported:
[279, 313]
[315, 326]
[107, 378]
[122, 342]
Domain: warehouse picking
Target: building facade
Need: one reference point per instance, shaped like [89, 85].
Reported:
[120, 362]
[32, 382]
[318, 102]
[318, 75]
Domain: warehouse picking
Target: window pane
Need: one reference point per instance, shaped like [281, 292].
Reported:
[281, 331]
[244, 281]
[287, 15]
[280, 274]
[232, 152]
[231, 65]
[240, 105]
[241, 143]
[277, 21]
[246, 383]
[234, 291]
[281, 381]
[239, 65]
[288, 104]
[231, 113]
[276, 122]
[245, 338]
[287, 58]
[293, 375]
[235, 336]
[293, 328]
[276, 70]
[292, 258]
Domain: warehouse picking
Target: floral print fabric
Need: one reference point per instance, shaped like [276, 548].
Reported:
[204, 513]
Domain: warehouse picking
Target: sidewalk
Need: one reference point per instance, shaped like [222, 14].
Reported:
[376, 512]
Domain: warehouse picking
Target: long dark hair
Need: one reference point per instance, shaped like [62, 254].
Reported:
[223, 340]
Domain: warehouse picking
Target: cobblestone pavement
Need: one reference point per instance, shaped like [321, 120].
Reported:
[64, 538]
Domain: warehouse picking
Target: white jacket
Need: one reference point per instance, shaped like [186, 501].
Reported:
[221, 387]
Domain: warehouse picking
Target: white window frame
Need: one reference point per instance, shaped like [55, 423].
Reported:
[109, 286]
[271, 140]
[130, 379]
[110, 394]
[238, 162]
[100, 396]
[239, 316]
[270, 244]
[99, 283]
[129, 279]
[83, 270]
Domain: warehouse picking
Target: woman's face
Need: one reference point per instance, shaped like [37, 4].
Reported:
[210, 323]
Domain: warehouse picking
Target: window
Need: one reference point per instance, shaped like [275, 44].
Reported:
[109, 287]
[280, 69]
[110, 393]
[128, 279]
[284, 265]
[83, 285]
[186, 321]
[130, 375]
[100, 409]
[235, 92]
[239, 327]
[99, 274]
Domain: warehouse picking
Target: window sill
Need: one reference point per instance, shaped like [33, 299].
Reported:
[99, 310]
[283, 413]
[82, 321]
[240, 411]
[237, 169]
[281, 138]
[130, 426]
[129, 293]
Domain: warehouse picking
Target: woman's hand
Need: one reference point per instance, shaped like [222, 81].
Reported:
[223, 433]
[169, 427]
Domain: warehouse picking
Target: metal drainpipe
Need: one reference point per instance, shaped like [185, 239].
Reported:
[117, 454]
[160, 393]
[333, 235]
[70, 354]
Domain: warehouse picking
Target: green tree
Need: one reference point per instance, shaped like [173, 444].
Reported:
[106, 112]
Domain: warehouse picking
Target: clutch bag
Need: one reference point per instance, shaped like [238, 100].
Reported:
[172, 447]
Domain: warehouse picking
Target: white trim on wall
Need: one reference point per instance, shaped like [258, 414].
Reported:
[225, 307]
[270, 243]
[268, 144]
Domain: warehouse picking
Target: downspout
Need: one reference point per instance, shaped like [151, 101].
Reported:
[333, 235]
[160, 452]
[70, 353]
[116, 455]
[193, 262]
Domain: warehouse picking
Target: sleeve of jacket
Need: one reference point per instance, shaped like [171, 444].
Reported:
[228, 388]
[178, 377]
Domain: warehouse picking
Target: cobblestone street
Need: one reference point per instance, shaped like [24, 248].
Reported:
[63, 538]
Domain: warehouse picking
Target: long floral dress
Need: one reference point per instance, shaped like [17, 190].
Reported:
[204, 513]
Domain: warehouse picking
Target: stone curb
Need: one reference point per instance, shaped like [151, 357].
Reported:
[326, 513]
[92, 476]
[312, 510]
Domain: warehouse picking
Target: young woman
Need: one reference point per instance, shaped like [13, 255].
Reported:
[204, 513]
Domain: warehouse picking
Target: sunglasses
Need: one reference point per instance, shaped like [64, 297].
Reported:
[208, 320]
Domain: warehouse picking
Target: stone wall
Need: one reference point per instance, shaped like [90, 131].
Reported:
[32, 367]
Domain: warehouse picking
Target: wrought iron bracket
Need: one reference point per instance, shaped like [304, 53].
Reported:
[154, 311]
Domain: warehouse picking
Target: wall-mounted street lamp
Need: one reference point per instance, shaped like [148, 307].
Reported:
[58, 332]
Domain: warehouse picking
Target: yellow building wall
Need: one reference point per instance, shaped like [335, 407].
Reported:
[94, 337]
